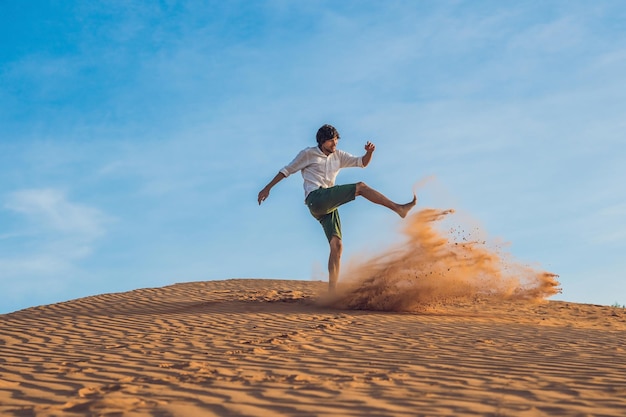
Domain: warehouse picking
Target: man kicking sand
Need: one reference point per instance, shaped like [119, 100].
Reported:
[320, 165]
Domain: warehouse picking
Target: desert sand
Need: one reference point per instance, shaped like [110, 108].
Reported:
[275, 347]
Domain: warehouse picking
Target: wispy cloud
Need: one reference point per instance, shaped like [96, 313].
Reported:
[51, 236]
[50, 210]
[58, 232]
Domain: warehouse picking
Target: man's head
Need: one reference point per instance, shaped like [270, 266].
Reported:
[326, 132]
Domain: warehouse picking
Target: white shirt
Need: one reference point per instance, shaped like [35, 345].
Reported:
[318, 169]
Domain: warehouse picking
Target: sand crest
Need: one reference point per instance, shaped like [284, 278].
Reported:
[265, 347]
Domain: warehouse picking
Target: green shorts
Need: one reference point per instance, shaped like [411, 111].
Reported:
[323, 204]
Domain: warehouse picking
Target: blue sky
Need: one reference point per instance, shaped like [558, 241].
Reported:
[135, 136]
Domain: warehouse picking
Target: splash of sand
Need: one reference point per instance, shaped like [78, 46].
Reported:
[435, 267]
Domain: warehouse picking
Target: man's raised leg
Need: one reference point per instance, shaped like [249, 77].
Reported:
[376, 197]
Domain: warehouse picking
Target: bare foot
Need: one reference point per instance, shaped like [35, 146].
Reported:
[404, 209]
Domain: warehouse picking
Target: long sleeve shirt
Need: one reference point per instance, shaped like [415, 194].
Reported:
[318, 169]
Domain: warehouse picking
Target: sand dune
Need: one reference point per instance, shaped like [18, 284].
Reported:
[266, 347]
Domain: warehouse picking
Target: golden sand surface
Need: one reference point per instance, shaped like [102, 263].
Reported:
[267, 347]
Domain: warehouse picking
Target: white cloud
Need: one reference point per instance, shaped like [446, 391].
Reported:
[43, 253]
[55, 234]
[50, 210]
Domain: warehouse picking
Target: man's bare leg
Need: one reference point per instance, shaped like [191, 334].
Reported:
[334, 263]
[374, 196]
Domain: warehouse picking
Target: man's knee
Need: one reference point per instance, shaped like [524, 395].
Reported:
[360, 186]
[336, 245]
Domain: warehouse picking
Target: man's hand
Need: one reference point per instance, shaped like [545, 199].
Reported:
[263, 194]
[369, 150]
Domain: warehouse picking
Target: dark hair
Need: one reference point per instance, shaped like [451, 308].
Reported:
[325, 133]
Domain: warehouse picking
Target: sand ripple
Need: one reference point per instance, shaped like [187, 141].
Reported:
[264, 347]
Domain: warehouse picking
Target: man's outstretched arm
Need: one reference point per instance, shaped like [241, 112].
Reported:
[265, 192]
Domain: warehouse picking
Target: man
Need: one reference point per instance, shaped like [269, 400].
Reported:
[320, 165]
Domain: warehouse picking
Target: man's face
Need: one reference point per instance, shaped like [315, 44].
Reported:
[330, 145]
